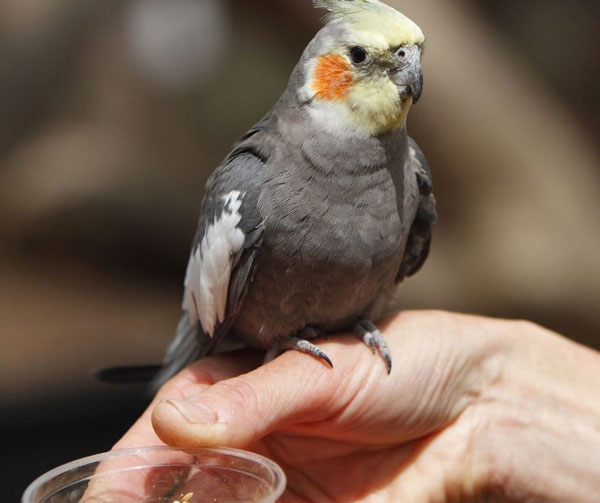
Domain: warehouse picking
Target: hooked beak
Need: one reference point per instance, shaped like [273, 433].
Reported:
[408, 76]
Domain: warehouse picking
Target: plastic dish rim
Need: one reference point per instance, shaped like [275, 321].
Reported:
[278, 474]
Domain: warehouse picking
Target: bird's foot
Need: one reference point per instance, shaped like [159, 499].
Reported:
[372, 337]
[299, 343]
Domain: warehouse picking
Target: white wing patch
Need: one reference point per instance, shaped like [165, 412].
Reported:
[209, 269]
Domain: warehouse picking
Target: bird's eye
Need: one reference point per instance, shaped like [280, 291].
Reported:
[358, 55]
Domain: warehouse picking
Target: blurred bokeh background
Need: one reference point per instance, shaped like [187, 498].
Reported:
[113, 114]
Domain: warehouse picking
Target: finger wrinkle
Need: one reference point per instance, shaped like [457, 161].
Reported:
[242, 396]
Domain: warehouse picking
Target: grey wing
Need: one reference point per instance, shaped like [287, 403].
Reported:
[221, 264]
[419, 240]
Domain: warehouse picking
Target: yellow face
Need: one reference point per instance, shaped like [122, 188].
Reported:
[360, 75]
[364, 89]
[377, 107]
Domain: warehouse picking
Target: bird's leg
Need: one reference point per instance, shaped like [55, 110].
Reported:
[372, 337]
[299, 343]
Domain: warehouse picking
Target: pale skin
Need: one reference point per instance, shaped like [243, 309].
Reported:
[475, 409]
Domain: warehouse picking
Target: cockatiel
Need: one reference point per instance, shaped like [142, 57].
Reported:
[323, 206]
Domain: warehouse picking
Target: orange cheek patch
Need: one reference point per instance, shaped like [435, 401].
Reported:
[332, 78]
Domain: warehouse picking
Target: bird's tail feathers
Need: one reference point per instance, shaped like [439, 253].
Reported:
[187, 346]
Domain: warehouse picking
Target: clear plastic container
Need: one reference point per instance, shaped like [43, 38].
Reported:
[162, 475]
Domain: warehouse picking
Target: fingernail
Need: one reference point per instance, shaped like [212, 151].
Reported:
[194, 412]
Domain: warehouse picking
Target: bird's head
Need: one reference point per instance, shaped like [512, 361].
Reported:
[362, 71]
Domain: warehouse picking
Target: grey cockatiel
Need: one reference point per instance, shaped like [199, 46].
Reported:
[323, 206]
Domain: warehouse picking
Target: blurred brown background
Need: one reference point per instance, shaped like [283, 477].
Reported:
[113, 114]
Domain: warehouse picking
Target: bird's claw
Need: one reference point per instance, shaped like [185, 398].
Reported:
[298, 344]
[372, 337]
[369, 340]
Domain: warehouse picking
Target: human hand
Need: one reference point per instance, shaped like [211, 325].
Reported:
[470, 405]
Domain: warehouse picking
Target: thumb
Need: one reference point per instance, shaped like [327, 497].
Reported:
[292, 389]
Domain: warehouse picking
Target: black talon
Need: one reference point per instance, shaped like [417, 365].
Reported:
[388, 361]
[324, 357]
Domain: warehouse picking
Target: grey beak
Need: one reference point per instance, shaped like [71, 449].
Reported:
[408, 76]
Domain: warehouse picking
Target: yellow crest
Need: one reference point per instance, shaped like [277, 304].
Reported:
[373, 16]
